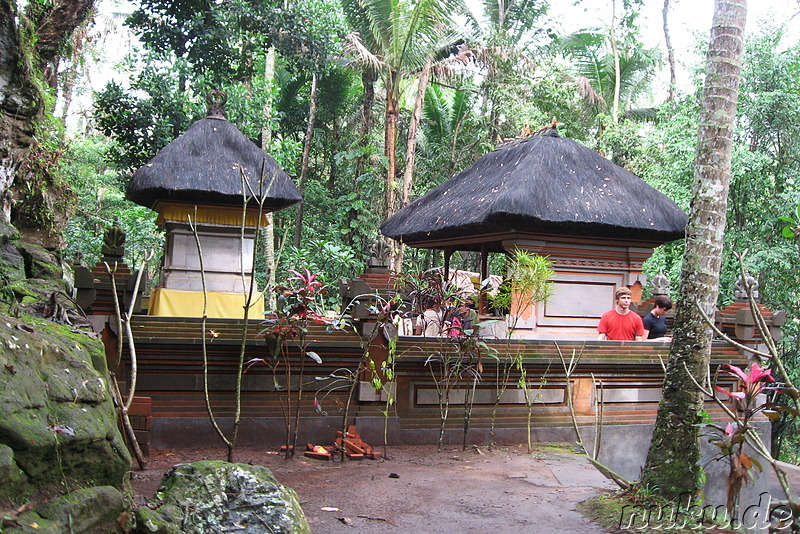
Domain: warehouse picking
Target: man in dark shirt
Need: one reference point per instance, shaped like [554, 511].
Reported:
[655, 322]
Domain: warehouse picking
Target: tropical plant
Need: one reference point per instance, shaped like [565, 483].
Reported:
[527, 284]
[732, 438]
[299, 307]
[597, 79]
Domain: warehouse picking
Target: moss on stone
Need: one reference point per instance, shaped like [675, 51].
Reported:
[56, 411]
[94, 510]
[214, 495]
[13, 481]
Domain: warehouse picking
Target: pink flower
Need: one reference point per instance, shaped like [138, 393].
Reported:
[753, 382]
[730, 430]
[757, 374]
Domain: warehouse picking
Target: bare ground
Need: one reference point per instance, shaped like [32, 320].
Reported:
[417, 489]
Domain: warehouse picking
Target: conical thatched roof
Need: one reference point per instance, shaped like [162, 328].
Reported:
[541, 185]
[202, 166]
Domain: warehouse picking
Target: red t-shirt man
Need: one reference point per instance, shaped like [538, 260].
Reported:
[620, 324]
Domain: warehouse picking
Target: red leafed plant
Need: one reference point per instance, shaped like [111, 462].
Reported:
[753, 382]
[299, 305]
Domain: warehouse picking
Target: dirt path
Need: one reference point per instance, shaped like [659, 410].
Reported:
[420, 490]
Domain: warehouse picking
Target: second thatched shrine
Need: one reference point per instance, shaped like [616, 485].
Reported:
[547, 194]
[205, 175]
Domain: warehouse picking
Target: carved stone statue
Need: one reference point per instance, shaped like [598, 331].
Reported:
[740, 288]
[114, 241]
[660, 284]
[379, 253]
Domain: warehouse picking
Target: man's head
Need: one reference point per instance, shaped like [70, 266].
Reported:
[622, 297]
[621, 292]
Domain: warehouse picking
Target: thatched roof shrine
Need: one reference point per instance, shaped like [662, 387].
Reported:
[541, 185]
[203, 166]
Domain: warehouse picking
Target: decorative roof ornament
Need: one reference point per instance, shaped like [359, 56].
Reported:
[660, 284]
[216, 104]
[741, 286]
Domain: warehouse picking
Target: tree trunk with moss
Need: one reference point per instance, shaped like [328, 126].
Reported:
[671, 464]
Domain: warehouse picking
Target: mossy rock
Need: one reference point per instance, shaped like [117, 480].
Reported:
[94, 510]
[39, 262]
[217, 496]
[12, 264]
[13, 481]
[36, 291]
[8, 233]
[56, 412]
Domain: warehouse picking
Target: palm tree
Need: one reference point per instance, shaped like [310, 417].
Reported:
[596, 67]
[445, 113]
[674, 455]
[398, 40]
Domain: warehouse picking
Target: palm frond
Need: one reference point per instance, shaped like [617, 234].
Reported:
[354, 45]
[641, 114]
[587, 91]
[435, 110]
[459, 108]
[446, 67]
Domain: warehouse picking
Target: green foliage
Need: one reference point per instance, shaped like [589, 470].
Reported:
[100, 200]
[140, 126]
[591, 55]
[333, 260]
[529, 282]
[220, 39]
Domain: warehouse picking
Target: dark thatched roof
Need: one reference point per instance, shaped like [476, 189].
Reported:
[202, 166]
[541, 185]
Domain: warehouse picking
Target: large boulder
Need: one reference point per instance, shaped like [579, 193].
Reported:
[58, 425]
[216, 496]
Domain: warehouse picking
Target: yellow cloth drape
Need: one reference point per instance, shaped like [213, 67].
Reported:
[207, 214]
[174, 303]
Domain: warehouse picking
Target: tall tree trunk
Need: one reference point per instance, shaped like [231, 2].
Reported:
[670, 52]
[674, 451]
[390, 144]
[411, 150]
[413, 128]
[615, 51]
[312, 114]
[266, 139]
